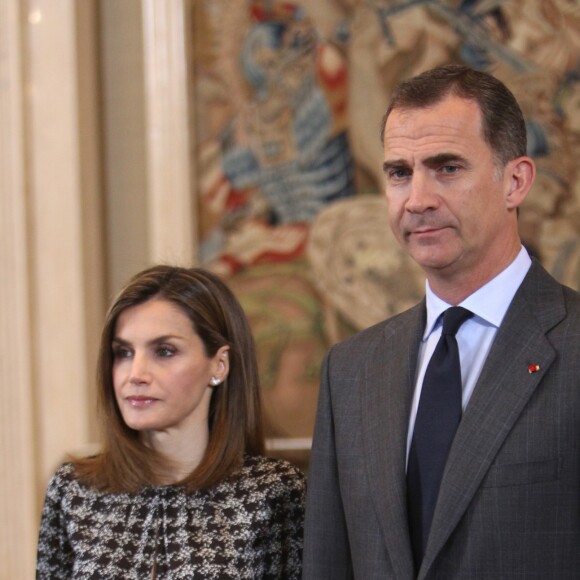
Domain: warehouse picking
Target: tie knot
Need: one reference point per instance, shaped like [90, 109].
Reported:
[453, 318]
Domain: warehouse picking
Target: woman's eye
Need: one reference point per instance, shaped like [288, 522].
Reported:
[121, 352]
[165, 351]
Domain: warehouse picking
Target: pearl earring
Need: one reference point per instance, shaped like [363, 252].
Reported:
[214, 381]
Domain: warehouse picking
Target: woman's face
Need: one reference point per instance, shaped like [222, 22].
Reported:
[161, 373]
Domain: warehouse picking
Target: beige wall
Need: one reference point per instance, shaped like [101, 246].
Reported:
[94, 185]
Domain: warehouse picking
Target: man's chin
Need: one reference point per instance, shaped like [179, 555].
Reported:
[430, 257]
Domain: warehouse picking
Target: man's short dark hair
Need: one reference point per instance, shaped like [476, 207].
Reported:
[504, 128]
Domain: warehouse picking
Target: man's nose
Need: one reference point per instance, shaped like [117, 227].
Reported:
[422, 194]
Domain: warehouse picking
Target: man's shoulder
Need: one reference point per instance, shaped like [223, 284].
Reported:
[408, 319]
[543, 287]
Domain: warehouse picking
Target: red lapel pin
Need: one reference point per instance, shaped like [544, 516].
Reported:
[533, 368]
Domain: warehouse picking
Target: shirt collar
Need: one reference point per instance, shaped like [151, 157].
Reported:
[490, 302]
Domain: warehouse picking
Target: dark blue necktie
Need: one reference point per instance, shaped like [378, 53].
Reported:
[438, 416]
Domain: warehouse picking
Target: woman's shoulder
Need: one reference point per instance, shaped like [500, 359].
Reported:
[271, 467]
[69, 494]
[62, 485]
[66, 484]
[272, 474]
[63, 477]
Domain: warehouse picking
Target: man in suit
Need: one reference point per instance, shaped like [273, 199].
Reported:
[508, 502]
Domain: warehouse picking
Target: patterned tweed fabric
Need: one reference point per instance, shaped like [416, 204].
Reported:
[249, 526]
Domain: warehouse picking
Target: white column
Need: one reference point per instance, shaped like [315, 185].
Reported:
[168, 132]
[18, 500]
[50, 255]
[63, 217]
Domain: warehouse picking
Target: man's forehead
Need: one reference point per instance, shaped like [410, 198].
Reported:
[448, 112]
[449, 127]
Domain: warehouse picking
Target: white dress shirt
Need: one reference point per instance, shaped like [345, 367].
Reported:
[475, 336]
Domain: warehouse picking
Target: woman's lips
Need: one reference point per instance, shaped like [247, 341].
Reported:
[140, 401]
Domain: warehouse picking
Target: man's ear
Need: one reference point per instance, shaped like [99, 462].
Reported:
[519, 175]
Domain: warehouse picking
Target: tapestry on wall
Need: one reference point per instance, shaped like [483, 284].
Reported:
[289, 98]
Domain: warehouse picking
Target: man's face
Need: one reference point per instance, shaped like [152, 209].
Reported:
[446, 194]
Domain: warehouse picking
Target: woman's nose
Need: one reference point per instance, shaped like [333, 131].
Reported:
[139, 373]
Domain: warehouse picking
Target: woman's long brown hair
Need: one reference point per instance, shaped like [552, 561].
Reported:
[235, 418]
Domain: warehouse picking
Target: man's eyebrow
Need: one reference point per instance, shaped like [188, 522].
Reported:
[432, 162]
[395, 164]
[443, 158]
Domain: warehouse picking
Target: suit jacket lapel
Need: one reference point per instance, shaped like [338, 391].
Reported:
[386, 394]
[501, 393]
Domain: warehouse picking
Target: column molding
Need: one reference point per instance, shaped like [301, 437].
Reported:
[64, 216]
[170, 170]
[18, 501]
[50, 255]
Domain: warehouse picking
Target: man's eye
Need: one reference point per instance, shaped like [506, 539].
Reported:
[398, 173]
[450, 169]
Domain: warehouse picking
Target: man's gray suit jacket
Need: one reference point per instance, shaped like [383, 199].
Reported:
[509, 503]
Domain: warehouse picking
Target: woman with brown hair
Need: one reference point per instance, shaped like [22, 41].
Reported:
[181, 488]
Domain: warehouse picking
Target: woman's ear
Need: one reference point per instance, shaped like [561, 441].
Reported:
[520, 174]
[221, 366]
